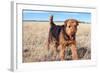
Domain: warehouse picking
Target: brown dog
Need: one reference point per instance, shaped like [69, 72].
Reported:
[64, 36]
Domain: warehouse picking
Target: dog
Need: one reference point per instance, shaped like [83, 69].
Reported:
[64, 36]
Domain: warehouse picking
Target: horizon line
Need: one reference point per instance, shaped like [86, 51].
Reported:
[48, 21]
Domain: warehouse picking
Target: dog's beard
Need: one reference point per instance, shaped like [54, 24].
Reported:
[72, 36]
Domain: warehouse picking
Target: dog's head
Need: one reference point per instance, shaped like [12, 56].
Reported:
[71, 26]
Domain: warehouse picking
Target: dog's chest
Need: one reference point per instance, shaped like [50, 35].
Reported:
[68, 40]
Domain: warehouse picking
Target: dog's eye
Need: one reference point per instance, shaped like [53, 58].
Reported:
[69, 26]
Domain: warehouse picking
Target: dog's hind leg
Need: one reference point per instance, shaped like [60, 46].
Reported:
[49, 41]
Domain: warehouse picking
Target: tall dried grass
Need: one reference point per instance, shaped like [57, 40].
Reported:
[35, 36]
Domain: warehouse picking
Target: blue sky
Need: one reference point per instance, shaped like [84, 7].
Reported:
[58, 16]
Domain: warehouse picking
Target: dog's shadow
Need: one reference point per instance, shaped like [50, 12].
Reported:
[68, 54]
[81, 52]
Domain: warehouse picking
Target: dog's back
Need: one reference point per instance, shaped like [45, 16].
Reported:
[55, 29]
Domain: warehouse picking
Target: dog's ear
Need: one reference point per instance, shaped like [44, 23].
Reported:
[77, 22]
[65, 23]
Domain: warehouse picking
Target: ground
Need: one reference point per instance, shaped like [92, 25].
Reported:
[35, 36]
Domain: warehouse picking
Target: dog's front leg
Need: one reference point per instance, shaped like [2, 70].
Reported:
[62, 52]
[74, 52]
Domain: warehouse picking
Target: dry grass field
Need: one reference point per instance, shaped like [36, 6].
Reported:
[35, 36]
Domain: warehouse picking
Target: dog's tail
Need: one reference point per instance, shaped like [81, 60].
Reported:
[51, 21]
